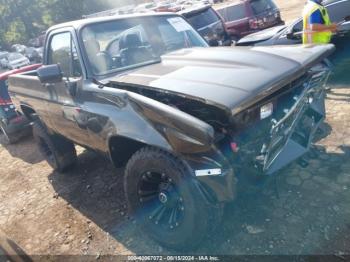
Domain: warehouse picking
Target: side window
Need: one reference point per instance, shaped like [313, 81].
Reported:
[63, 52]
[233, 13]
[76, 66]
[236, 12]
[337, 12]
[298, 27]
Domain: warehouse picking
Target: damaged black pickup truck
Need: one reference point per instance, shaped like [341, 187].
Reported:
[188, 121]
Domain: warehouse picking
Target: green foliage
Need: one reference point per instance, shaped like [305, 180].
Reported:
[21, 20]
[15, 32]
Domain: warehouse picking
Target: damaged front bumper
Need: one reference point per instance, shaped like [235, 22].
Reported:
[292, 135]
[284, 141]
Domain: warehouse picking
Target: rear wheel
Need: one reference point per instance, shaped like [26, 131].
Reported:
[58, 152]
[163, 198]
[5, 137]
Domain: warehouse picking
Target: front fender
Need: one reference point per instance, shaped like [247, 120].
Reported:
[184, 133]
[193, 139]
[143, 121]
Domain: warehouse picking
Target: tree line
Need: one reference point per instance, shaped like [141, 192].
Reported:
[21, 20]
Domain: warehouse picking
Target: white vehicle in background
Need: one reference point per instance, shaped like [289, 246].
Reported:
[18, 48]
[3, 58]
[3, 54]
[15, 60]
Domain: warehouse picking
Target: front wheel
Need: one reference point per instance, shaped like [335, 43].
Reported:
[162, 196]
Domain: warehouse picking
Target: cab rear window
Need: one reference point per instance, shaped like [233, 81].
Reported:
[233, 12]
[203, 19]
[261, 6]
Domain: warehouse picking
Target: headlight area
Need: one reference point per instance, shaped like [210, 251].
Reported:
[266, 111]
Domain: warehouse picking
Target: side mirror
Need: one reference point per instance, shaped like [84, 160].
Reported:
[290, 35]
[294, 35]
[50, 74]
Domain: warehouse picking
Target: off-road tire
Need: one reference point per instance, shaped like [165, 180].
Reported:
[59, 152]
[198, 218]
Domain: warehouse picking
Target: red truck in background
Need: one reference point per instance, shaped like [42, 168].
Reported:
[13, 125]
[243, 17]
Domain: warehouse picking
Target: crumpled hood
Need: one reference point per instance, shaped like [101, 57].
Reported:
[305, 55]
[261, 35]
[230, 78]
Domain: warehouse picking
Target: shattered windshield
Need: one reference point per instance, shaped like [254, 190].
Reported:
[127, 43]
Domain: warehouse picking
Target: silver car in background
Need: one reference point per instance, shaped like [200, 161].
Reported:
[15, 60]
[3, 58]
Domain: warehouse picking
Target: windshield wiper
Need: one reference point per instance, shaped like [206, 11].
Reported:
[99, 84]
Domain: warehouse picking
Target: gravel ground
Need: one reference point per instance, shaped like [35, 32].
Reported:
[84, 212]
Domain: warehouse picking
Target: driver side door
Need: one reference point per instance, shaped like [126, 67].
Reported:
[64, 106]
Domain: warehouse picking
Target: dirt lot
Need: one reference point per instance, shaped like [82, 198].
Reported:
[84, 212]
[290, 9]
